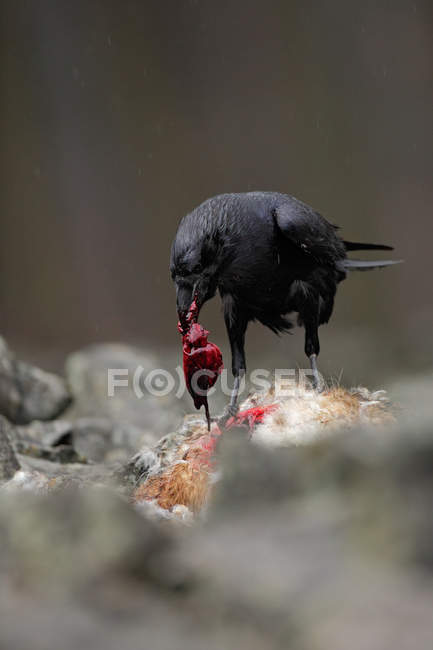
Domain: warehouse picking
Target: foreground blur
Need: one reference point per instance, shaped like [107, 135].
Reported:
[318, 547]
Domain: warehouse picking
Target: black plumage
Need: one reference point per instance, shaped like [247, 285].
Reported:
[269, 255]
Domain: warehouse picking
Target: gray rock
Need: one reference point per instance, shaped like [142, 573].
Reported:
[323, 546]
[8, 460]
[57, 454]
[93, 439]
[77, 535]
[47, 440]
[72, 474]
[137, 415]
[102, 440]
[28, 393]
[10, 397]
[48, 434]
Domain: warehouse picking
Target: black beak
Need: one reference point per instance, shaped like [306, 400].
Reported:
[201, 291]
[184, 298]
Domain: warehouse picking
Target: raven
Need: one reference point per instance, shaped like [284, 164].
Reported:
[268, 255]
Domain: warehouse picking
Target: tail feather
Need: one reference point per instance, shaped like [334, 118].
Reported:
[359, 246]
[367, 265]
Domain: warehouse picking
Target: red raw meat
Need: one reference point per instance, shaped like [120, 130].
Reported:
[199, 356]
[250, 416]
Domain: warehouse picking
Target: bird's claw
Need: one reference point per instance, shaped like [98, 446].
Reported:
[317, 386]
[317, 382]
[230, 411]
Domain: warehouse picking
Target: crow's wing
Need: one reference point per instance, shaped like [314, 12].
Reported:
[309, 231]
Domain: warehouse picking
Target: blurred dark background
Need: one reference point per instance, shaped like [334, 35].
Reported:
[119, 117]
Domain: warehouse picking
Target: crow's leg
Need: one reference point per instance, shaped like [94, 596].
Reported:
[310, 318]
[312, 349]
[208, 418]
[236, 324]
[233, 407]
[316, 377]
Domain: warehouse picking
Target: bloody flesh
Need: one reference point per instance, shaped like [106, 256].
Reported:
[250, 417]
[205, 359]
[202, 360]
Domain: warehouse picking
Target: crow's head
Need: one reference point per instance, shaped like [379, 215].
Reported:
[194, 268]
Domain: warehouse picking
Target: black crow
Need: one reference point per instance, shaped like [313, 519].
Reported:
[269, 255]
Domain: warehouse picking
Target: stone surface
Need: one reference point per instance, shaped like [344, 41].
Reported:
[315, 547]
[137, 415]
[47, 440]
[28, 393]
[8, 461]
[57, 454]
[102, 440]
[49, 434]
[324, 545]
[64, 474]
[89, 439]
[76, 536]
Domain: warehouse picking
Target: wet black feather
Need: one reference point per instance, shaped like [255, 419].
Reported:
[268, 254]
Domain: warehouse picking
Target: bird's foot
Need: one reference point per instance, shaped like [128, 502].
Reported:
[317, 382]
[230, 411]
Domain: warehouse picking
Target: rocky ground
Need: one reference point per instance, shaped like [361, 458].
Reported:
[313, 533]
